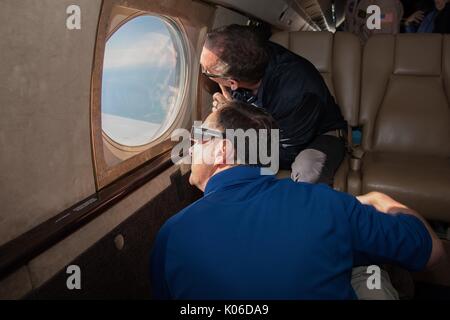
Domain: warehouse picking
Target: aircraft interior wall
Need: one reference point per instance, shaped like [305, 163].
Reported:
[46, 88]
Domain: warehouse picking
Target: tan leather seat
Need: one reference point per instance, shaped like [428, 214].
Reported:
[421, 181]
[338, 59]
[405, 115]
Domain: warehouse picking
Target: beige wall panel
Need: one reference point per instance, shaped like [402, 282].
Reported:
[45, 73]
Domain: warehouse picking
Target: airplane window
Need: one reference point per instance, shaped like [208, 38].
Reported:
[143, 80]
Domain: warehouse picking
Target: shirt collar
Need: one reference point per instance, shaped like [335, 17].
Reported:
[233, 176]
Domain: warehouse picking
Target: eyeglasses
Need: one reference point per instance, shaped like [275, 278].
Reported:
[202, 135]
[212, 75]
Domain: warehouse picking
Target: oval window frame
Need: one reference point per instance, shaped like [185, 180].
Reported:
[193, 19]
[181, 42]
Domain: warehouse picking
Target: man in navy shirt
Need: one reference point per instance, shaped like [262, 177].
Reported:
[252, 236]
[248, 68]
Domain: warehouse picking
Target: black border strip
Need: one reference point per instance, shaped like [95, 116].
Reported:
[22, 249]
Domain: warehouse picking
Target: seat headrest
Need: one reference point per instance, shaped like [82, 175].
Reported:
[316, 47]
[418, 55]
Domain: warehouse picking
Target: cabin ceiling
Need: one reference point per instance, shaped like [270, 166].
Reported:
[292, 15]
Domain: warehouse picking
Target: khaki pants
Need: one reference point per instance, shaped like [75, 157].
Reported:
[359, 284]
[319, 161]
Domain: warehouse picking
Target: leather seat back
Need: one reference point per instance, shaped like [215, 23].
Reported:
[405, 94]
[337, 57]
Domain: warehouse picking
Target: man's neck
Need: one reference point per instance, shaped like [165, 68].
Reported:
[203, 186]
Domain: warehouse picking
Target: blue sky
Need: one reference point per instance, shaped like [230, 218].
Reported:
[140, 73]
[134, 30]
[145, 40]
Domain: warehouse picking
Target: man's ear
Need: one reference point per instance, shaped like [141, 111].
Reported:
[224, 153]
[234, 85]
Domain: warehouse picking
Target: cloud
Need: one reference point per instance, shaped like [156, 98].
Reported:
[152, 50]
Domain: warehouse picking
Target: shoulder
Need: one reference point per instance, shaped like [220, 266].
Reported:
[284, 59]
[178, 221]
[290, 69]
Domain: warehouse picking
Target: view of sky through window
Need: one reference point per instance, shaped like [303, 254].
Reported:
[141, 80]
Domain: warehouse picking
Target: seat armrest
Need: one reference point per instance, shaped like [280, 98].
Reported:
[357, 152]
[340, 178]
[354, 181]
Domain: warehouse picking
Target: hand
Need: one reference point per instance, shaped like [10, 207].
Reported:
[226, 92]
[382, 202]
[416, 17]
[220, 98]
[218, 101]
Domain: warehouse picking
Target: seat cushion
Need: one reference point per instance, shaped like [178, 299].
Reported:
[420, 182]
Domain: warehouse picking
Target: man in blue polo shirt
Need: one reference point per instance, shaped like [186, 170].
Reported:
[252, 236]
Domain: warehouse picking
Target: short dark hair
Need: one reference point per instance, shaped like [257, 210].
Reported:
[242, 48]
[240, 115]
